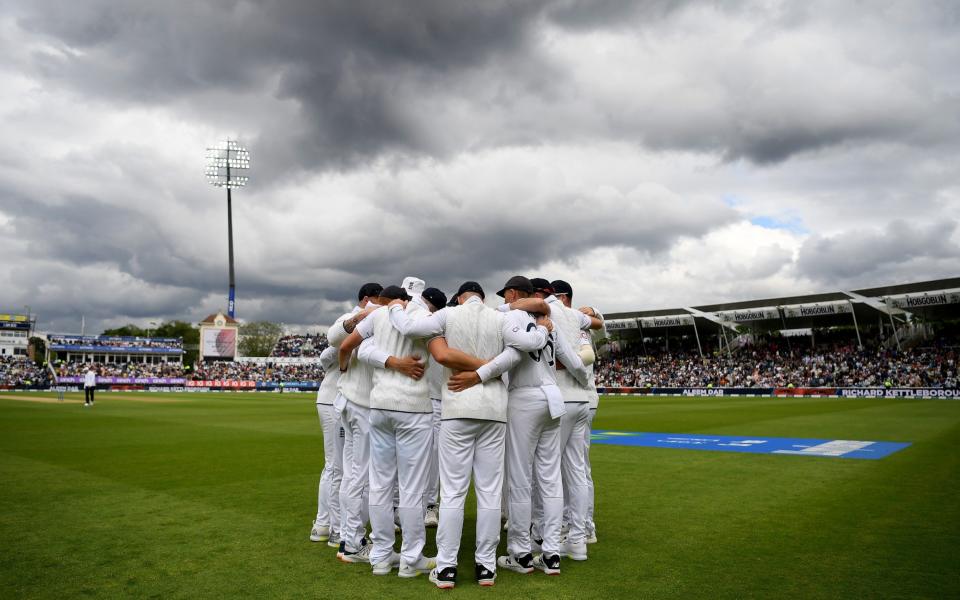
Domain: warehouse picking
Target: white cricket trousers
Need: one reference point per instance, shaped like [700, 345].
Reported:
[590, 524]
[470, 446]
[328, 494]
[533, 451]
[573, 467]
[400, 444]
[354, 509]
[433, 474]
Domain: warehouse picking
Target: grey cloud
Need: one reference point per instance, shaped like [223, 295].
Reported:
[372, 78]
[902, 251]
[600, 14]
[374, 87]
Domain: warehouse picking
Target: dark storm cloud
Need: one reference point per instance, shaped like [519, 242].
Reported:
[600, 14]
[371, 78]
[827, 105]
[341, 61]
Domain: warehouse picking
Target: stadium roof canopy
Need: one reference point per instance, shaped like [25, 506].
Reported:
[933, 300]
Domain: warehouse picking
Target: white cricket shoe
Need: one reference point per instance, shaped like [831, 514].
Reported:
[574, 551]
[520, 564]
[334, 540]
[424, 564]
[432, 517]
[548, 564]
[362, 555]
[319, 533]
[385, 566]
[445, 579]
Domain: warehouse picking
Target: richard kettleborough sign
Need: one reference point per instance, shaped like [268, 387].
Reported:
[898, 393]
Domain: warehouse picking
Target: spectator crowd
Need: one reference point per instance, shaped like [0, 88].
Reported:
[242, 371]
[772, 365]
[114, 341]
[131, 369]
[769, 364]
[20, 372]
[307, 346]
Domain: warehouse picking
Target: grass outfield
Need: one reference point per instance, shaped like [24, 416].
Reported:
[212, 495]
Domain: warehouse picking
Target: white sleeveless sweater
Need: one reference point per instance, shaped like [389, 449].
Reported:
[569, 324]
[393, 390]
[477, 330]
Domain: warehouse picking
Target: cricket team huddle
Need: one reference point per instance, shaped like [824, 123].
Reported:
[430, 394]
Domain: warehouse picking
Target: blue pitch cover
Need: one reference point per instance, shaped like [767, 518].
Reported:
[751, 444]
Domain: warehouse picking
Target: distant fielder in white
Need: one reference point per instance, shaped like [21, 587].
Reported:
[89, 385]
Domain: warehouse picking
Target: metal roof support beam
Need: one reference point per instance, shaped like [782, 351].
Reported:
[853, 311]
[883, 307]
[877, 304]
[731, 325]
[697, 335]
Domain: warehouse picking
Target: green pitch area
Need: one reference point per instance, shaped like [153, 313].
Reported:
[212, 495]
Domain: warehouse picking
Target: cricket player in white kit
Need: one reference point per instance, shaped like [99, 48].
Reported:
[472, 429]
[587, 353]
[431, 496]
[401, 438]
[352, 402]
[593, 403]
[326, 527]
[533, 441]
[437, 300]
[574, 424]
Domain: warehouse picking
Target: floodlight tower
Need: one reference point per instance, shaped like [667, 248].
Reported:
[227, 166]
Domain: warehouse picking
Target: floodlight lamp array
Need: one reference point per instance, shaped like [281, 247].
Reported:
[227, 164]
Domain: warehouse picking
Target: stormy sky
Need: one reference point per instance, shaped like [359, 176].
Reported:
[654, 154]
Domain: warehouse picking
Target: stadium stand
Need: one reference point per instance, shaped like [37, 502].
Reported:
[19, 372]
[900, 336]
[123, 370]
[257, 372]
[772, 365]
[119, 344]
[307, 346]
[15, 331]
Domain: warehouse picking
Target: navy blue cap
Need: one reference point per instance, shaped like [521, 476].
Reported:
[471, 286]
[517, 282]
[435, 297]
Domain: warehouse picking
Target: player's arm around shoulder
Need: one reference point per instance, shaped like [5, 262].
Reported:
[523, 333]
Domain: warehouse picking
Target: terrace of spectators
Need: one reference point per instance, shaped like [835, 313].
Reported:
[21, 372]
[306, 346]
[771, 364]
